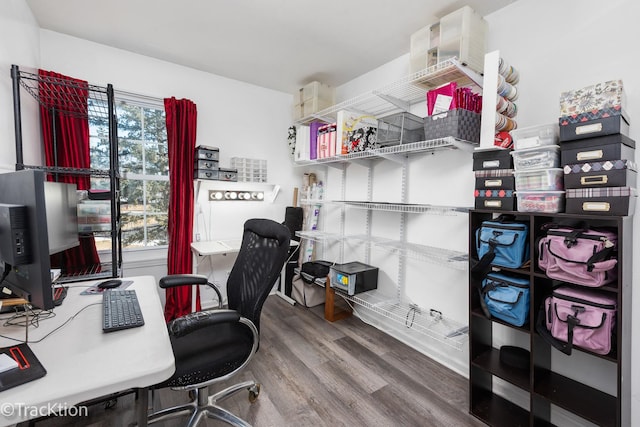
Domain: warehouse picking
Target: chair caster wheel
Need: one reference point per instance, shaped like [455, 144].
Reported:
[254, 392]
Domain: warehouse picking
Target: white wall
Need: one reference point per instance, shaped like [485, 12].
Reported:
[556, 46]
[19, 44]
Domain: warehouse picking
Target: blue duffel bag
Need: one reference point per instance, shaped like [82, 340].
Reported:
[506, 298]
[503, 242]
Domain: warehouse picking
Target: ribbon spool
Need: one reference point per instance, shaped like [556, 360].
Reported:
[505, 124]
[506, 107]
[507, 89]
[510, 74]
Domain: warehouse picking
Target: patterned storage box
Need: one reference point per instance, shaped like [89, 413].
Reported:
[461, 124]
[594, 97]
[601, 201]
[593, 123]
[610, 173]
[501, 200]
[495, 179]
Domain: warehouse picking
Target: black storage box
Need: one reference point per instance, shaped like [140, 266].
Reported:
[491, 159]
[219, 174]
[206, 164]
[353, 277]
[601, 201]
[499, 200]
[496, 179]
[461, 124]
[207, 153]
[608, 173]
[611, 147]
[578, 129]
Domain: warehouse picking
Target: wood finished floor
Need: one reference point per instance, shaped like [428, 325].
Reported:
[316, 373]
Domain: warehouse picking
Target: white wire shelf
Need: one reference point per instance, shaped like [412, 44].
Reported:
[426, 322]
[404, 207]
[446, 143]
[444, 257]
[400, 95]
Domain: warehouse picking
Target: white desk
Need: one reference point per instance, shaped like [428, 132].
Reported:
[82, 362]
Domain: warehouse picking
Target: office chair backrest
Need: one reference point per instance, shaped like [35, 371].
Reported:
[265, 245]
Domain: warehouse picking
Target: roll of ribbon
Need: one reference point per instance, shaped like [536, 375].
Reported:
[504, 123]
[507, 89]
[506, 107]
[510, 74]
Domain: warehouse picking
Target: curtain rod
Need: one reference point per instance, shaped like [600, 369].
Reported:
[138, 97]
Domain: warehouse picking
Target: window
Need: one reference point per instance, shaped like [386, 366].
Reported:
[144, 171]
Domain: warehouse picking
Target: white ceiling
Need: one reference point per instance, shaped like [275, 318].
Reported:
[278, 44]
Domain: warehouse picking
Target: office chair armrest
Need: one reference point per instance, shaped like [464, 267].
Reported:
[173, 280]
[201, 319]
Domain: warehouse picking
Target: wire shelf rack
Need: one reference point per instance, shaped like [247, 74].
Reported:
[430, 322]
[76, 100]
[404, 207]
[446, 143]
[444, 257]
[401, 94]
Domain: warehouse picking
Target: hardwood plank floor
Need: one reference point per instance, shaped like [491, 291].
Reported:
[316, 373]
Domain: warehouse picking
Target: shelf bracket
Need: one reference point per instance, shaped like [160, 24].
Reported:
[403, 105]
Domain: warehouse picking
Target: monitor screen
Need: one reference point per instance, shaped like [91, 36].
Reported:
[31, 279]
[61, 201]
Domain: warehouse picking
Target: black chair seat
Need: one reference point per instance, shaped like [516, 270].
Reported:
[204, 356]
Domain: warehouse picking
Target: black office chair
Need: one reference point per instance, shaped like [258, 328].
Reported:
[212, 346]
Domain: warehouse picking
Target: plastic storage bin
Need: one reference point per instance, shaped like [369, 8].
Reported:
[547, 156]
[540, 179]
[540, 201]
[535, 136]
[401, 128]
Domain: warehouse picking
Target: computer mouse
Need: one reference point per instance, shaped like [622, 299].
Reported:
[109, 284]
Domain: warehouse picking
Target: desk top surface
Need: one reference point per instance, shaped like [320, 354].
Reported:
[84, 363]
[216, 247]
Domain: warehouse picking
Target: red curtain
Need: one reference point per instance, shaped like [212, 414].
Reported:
[181, 117]
[65, 134]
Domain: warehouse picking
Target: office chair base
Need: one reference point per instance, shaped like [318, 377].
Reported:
[206, 406]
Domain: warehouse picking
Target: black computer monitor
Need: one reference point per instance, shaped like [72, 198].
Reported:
[47, 217]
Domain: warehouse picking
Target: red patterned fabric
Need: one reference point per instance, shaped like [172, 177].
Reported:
[63, 108]
[181, 118]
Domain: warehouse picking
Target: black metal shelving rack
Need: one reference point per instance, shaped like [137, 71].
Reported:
[98, 104]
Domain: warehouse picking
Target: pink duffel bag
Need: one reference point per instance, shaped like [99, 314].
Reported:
[578, 317]
[584, 257]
